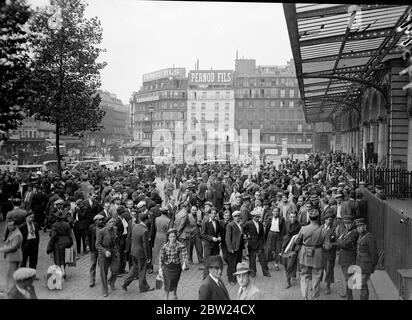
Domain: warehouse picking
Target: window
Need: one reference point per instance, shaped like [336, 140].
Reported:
[204, 94]
[227, 106]
[272, 138]
[203, 107]
[203, 128]
[298, 139]
[282, 104]
[216, 117]
[291, 93]
[194, 95]
[193, 106]
[282, 93]
[273, 103]
[216, 106]
[308, 139]
[240, 103]
[227, 94]
[226, 116]
[300, 130]
[217, 94]
[216, 127]
[291, 104]
[203, 116]
[226, 127]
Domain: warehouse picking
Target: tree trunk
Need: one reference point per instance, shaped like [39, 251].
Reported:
[59, 165]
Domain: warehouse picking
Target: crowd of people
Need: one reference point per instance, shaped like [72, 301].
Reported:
[300, 215]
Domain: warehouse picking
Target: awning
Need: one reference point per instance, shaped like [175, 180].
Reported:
[338, 48]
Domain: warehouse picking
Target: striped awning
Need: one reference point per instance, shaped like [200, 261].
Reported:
[338, 48]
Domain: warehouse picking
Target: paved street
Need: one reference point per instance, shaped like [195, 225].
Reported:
[77, 284]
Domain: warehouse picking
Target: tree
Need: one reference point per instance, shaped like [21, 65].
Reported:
[65, 73]
[14, 61]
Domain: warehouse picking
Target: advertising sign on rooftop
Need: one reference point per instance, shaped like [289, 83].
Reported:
[211, 77]
[164, 74]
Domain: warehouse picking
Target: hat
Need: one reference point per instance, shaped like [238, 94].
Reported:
[280, 194]
[58, 201]
[313, 213]
[314, 196]
[98, 217]
[164, 209]
[360, 222]
[266, 181]
[339, 195]
[208, 203]
[22, 274]
[141, 204]
[362, 183]
[171, 230]
[334, 188]
[341, 184]
[242, 267]
[247, 197]
[121, 210]
[215, 261]
[236, 213]
[227, 203]
[256, 212]
[348, 219]
[328, 215]
[199, 178]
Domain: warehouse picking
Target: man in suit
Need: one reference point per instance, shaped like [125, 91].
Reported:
[235, 244]
[247, 290]
[363, 206]
[366, 255]
[28, 197]
[30, 244]
[106, 245]
[212, 236]
[80, 225]
[256, 243]
[23, 287]
[141, 254]
[219, 193]
[91, 240]
[38, 206]
[346, 243]
[312, 238]
[106, 210]
[290, 258]
[223, 225]
[12, 250]
[91, 207]
[212, 287]
[329, 250]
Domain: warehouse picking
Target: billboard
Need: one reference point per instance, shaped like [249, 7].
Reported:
[211, 77]
[165, 73]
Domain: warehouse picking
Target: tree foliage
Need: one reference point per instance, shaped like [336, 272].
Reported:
[65, 73]
[14, 62]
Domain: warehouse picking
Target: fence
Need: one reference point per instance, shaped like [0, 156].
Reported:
[393, 237]
[396, 182]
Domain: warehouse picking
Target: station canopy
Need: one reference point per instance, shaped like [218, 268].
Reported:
[338, 48]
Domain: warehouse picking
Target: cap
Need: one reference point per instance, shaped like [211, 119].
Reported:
[199, 178]
[341, 184]
[141, 204]
[98, 217]
[266, 181]
[227, 203]
[360, 222]
[348, 219]
[247, 197]
[58, 201]
[328, 215]
[208, 203]
[236, 213]
[164, 209]
[339, 195]
[313, 213]
[242, 267]
[362, 183]
[215, 261]
[24, 274]
[256, 212]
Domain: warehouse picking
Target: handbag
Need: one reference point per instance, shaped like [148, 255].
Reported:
[54, 278]
[70, 257]
[310, 250]
[159, 282]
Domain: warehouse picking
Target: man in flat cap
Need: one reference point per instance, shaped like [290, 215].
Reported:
[247, 290]
[312, 238]
[212, 287]
[329, 250]
[23, 287]
[346, 243]
[235, 244]
[255, 234]
[91, 241]
[366, 255]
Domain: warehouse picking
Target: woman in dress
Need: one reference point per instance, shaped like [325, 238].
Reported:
[61, 238]
[162, 224]
[173, 259]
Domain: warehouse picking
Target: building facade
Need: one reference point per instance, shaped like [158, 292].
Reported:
[159, 106]
[211, 110]
[267, 98]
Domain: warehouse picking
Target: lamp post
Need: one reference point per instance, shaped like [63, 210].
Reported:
[183, 135]
[151, 109]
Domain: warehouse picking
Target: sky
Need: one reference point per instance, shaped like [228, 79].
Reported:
[145, 36]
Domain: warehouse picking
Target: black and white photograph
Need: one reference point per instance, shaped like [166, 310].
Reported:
[194, 150]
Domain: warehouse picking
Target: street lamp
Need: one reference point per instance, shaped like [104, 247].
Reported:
[183, 135]
[151, 109]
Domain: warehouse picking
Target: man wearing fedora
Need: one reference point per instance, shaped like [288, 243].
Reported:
[212, 287]
[256, 243]
[366, 255]
[234, 243]
[312, 238]
[247, 290]
[346, 243]
[212, 236]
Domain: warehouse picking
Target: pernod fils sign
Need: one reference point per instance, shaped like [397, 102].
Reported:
[211, 77]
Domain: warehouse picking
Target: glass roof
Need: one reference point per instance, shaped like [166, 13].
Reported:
[334, 44]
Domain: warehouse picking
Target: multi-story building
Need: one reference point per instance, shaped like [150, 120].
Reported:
[160, 104]
[267, 98]
[211, 106]
[116, 126]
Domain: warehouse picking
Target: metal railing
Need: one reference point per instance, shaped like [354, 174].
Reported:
[397, 183]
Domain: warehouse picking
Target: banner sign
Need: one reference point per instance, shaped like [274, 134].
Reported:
[165, 73]
[211, 77]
